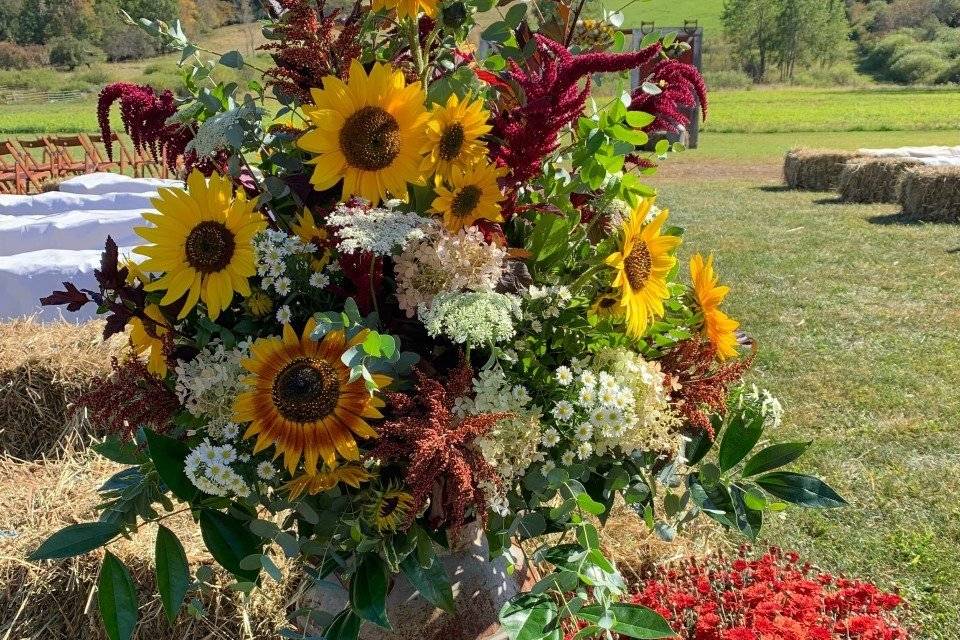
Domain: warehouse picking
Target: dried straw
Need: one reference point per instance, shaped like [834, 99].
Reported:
[44, 368]
[874, 179]
[932, 194]
[56, 600]
[814, 169]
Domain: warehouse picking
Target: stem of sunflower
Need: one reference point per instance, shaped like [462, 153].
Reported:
[416, 52]
[580, 282]
[373, 291]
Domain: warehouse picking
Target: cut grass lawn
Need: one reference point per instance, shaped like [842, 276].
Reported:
[857, 314]
[670, 13]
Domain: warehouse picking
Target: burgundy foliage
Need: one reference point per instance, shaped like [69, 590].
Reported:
[310, 45]
[681, 85]
[436, 448]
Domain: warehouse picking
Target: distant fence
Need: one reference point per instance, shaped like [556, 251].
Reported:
[32, 96]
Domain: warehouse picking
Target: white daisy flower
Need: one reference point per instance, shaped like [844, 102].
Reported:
[563, 411]
[284, 315]
[319, 280]
[584, 431]
[587, 397]
[567, 458]
[584, 450]
[547, 467]
[266, 471]
[564, 375]
[550, 438]
[282, 285]
[587, 379]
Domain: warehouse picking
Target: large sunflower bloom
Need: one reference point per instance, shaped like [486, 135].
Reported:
[453, 136]
[641, 266]
[301, 401]
[472, 195]
[367, 132]
[148, 335]
[718, 326]
[201, 243]
[308, 230]
[349, 474]
[407, 8]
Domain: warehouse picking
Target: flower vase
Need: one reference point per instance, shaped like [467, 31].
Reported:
[480, 589]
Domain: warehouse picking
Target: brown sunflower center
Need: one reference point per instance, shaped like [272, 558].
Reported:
[370, 139]
[466, 201]
[209, 247]
[637, 266]
[306, 390]
[607, 302]
[451, 141]
[388, 505]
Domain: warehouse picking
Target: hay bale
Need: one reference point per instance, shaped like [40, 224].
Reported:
[932, 194]
[814, 169]
[44, 369]
[55, 600]
[873, 179]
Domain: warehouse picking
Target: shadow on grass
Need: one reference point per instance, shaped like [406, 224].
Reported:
[831, 200]
[898, 218]
[773, 188]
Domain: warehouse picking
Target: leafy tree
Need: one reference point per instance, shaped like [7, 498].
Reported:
[751, 25]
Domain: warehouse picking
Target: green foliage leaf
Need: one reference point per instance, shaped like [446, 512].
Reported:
[549, 236]
[803, 490]
[117, 598]
[368, 590]
[747, 519]
[639, 119]
[229, 541]
[631, 620]
[120, 451]
[232, 59]
[76, 539]
[430, 578]
[345, 626]
[774, 457]
[740, 436]
[528, 617]
[173, 572]
[168, 456]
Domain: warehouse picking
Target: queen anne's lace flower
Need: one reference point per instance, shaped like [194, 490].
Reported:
[379, 231]
[474, 318]
[208, 384]
[446, 263]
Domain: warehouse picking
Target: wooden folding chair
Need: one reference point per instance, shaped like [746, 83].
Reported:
[11, 176]
[28, 172]
[67, 158]
[27, 152]
[97, 153]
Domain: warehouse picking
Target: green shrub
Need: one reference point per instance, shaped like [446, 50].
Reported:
[950, 74]
[842, 74]
[729, 79]
[918, 67]
[125, 42]
[96, 76]
[70, 52]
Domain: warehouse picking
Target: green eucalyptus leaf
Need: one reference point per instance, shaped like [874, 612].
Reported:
[774, 457]
[76, 539]
[799, 489]
[117, 598]
[173, 572]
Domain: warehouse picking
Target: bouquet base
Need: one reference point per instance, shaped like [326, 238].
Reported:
[480, 589]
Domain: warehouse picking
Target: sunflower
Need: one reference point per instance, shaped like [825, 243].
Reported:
[258, 304]
[349, 474]
[308, 230]
[474, 194]
[367, 132]
[718, 326]
[147, 334]
[390, 508]
[202, 243]
[607, 305]
[453, 136]
[301, 401]
[407, 8]
[641, 266]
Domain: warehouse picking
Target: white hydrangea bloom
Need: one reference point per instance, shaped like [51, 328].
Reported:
[380, 231]
[473, 318]
[207, 385]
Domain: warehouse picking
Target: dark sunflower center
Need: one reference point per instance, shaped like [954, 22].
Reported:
[606, 303]
[209, 247]
[451, 141]
[388, 505]
[466, 201]
[638, 265]
[370, 139]
[306, 390]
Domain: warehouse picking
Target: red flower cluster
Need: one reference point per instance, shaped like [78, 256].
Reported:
[680, 86]
[144, 114]
[442, 464]
[773, 597]
[310, 46]
[540, 100]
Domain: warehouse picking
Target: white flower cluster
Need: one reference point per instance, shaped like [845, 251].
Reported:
[209, 468]
[544, 303]
[213, 133]
[621, 407]
[207, 385]
[769, 405]
[273, 249]
[511, 446]
[445, 263]
[379, 231]
[473, 318]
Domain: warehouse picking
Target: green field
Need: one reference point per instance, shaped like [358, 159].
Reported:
[670, 13]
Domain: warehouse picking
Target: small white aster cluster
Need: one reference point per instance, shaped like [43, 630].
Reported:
[273, 249]
[473, 318]
[511, 446]
[207, 385]
[209, 468]
[213, 133]
[380, 231]
[623, 407]
[442, 262]
[769, 405]
[544, 303]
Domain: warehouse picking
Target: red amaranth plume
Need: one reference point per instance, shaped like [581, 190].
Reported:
[703, 381]
[310, 46]
[539, 100]
[144, 114]
[129, 398]
[680, 85]
[436, 449]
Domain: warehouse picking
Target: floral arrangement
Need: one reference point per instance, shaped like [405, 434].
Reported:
[774, 595]
[407, 292]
